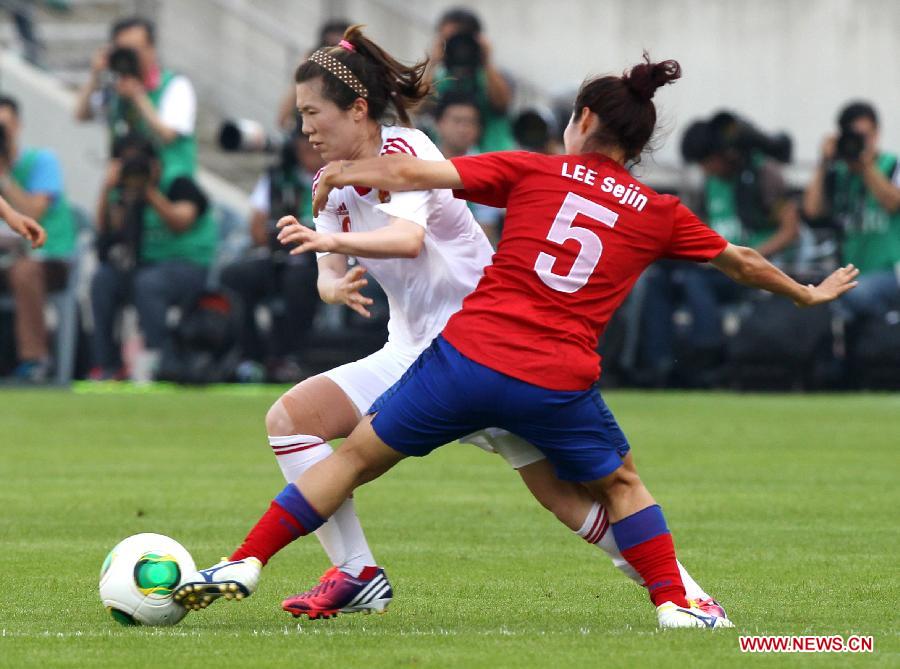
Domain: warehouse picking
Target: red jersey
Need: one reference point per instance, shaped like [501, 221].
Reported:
[579, 231]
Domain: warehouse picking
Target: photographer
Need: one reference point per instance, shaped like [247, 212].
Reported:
[155, 241]
[458, 126]
[31, 181]
[284, 190]
[136, 95]
[461, 61]
[856, 187]
[745, 199]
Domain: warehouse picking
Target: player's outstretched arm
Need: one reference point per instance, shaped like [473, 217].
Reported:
[749, 268]
[399, 239]
[392, 173]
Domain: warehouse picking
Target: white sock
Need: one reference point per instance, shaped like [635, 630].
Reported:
[342, 535]
[692, 589]
[595, 530]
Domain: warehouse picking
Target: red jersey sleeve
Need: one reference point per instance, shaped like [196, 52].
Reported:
[692, 239]
[489, 178]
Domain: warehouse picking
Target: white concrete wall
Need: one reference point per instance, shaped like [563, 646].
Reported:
[787, 63]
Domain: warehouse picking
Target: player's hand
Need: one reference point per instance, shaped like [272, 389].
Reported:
[325, 186]
[293, 232]
[346, 291]
[29, 228]
[835, 284]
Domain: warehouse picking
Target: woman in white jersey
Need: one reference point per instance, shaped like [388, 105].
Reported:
[427, 252]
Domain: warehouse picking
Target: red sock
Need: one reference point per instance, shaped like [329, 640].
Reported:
[654, 560]
[289, 516]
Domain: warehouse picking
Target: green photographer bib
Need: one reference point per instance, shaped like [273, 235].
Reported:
[58, 220]
[179, 157]
[720, 202]
[160, 243]
[871, 233]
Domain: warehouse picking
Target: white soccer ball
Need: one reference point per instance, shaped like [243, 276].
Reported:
[140, 575]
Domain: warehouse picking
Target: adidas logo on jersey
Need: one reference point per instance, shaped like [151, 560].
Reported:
[344, 215]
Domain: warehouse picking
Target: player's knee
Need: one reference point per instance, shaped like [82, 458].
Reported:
[278, 421]
[620, 482]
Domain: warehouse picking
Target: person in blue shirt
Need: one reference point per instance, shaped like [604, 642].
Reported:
[31, 180]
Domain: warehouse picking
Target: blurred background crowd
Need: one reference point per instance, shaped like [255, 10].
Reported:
[157, 142]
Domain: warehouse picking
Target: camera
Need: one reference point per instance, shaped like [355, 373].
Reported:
[125, 62]
[247, 135]
[462, 53]
[727, 132]
[119, 243]
[850, 145]
[138, 155]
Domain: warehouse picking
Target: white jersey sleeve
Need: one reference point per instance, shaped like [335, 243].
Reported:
[415, 206]
[328, 220]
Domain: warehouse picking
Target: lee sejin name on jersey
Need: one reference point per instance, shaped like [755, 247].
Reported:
[628, 195]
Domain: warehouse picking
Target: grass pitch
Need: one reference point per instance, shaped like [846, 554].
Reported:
[783, 507]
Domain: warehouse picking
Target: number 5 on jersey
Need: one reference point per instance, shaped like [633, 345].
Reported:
[563, 229]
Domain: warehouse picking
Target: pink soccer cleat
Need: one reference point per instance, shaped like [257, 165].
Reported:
[338, 592]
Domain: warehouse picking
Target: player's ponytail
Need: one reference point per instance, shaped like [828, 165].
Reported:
[359, 68]
[624, 105]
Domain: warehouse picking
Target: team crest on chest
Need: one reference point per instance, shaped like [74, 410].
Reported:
[384, 196]
[344, 216]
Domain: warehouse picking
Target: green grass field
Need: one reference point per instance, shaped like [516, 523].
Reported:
[784, 507]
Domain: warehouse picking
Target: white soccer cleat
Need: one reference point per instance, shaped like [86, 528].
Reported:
[671, 615]
[229, 579]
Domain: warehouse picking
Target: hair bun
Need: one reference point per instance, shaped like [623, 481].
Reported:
[646, 77]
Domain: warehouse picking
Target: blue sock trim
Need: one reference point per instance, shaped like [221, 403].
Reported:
[292, 500]
[639, 527]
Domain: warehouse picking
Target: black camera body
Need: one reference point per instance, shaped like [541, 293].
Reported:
[727, 132]
[462, 53]
[125, 62]
[850, 146]
[120, 242]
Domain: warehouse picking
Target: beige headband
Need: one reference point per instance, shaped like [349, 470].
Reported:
[331, 64]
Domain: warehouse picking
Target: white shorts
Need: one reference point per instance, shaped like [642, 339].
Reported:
[365, 380]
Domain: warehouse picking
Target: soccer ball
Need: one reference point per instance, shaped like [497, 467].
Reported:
[140, 575]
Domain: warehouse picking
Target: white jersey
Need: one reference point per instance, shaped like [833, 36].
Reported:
[422, 292]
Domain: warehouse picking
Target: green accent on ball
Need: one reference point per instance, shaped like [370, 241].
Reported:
[122, 618]
[106, 563]
[157, 574]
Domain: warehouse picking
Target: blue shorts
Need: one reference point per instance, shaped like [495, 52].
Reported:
[445, 395]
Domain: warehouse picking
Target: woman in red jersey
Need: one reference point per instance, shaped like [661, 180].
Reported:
[520, 354]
